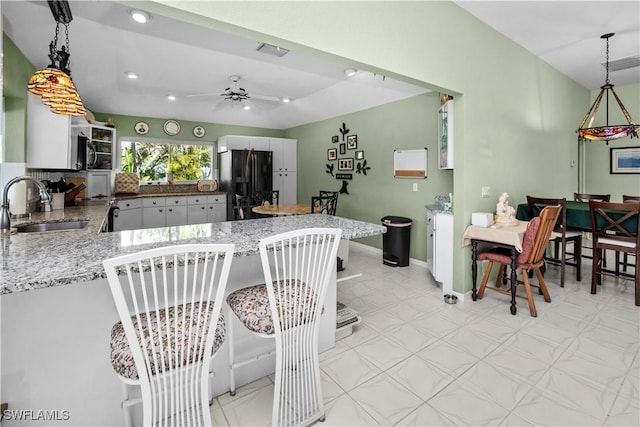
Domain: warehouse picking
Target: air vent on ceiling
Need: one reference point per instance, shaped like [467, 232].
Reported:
[270, 49]
[623, 63]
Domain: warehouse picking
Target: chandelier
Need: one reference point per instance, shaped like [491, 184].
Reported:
[53, 84]
[607, 132]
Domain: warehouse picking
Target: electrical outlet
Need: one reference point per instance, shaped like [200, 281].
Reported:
[415, 186]
[486, 192]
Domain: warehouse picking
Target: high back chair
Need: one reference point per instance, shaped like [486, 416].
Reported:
[297, 269]
[326, 193]
[531, 258]
[560, 255]
[243, 207]
[614, 226]
[586, 235]
[625, 262]
[263, 198]
[169, 301]
[326, 205]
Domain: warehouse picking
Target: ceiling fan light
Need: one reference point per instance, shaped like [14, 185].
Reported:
[286, 100]
[171, 97]
[246, 107]
[131, 75]
[350, 72]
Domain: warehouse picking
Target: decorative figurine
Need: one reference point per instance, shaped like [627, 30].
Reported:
[505, 214]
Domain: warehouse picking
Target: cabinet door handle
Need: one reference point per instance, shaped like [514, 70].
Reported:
[154, 203]
[160, 210]
[202, 208]
[197, 200]
[170, 210]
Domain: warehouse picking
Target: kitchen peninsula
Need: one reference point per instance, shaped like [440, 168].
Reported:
[57, 309]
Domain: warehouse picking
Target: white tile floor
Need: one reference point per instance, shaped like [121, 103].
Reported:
[415, 360]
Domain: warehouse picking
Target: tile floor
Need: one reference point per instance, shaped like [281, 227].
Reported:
[415, 360]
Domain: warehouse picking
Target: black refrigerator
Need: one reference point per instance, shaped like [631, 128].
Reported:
[244, 172]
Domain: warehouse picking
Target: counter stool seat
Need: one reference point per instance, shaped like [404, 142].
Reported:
[122, 358]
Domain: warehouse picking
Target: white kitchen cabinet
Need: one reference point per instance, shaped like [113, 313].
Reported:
[98, 183]
[287, 184]
[49, 143]
[440, 248]
[217, 208]
[259, 143]
[196, 209]
[175, 210]
[101, 147]
[128, 216]
[153, 212]
[233, 142]
[285, 154]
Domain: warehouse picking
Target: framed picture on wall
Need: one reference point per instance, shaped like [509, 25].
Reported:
[352, 142]
[334, 139]
[359, 155]
[343, 148]
[345, 164]
[332, 154]
[625, 160]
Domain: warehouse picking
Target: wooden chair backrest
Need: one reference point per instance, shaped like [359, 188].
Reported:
[548, 218]
[627, 198]
[614, 221]
[585, 197]
[536, 205]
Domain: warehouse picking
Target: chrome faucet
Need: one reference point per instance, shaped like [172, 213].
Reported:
[5, 220]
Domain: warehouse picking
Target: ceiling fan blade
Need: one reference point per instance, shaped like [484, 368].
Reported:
[202, 94]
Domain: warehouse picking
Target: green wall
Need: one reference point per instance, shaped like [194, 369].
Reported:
[598, 179]
[515, 116]
[406, 124]
[16, 70]
[125, 128]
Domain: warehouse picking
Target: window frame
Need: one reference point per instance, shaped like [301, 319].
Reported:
[162, 141]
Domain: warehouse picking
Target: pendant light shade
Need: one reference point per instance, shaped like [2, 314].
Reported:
[587, 131]
[53, 84]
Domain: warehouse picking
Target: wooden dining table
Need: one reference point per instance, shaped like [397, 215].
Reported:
[280, 210]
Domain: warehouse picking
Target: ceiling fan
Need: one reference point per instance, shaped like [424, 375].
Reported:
[235, 93]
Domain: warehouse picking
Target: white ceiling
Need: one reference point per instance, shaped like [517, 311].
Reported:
[173, 57]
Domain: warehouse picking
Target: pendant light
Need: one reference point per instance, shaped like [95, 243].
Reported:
[606, 132]
[53, 84]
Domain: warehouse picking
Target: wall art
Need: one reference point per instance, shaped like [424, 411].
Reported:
[343, 130]
[343, 148]
[335, 139]
[359, 155]
[330, 168]
[625, 160]
[332, 154]
[362, 168]
[352, 142]
[344, 176]
[345, 164]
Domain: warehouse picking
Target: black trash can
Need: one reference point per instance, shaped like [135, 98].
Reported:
[396, 241]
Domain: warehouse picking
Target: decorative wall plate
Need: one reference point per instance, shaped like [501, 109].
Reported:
[171, 127]
[198, 131]
[142, 128]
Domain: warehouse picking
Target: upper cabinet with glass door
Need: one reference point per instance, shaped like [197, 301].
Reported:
[101, 147]
[445, 135]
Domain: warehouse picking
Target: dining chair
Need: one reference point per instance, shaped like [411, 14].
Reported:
[326, 205]
[326, 193]
[531, 258]
[297, 268]
[586, 235]
[615, 226]
[625, 256]
[243, 207]
[169, 302]
[268, 197]
[560, 255]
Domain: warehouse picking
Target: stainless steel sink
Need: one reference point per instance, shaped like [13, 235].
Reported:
[52, 226]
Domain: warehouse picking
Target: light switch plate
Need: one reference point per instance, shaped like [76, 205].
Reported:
[415, 186]
[486, 192]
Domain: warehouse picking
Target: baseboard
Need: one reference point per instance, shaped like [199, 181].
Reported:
[374, 250]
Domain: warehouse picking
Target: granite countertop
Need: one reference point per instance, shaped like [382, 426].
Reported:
[39, 260]
[176, 194]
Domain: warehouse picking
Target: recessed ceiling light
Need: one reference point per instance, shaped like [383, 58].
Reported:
[246, 107]
[171, 97]
[285, 100]
[350, 72]
[131, 75]
[140, 16]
